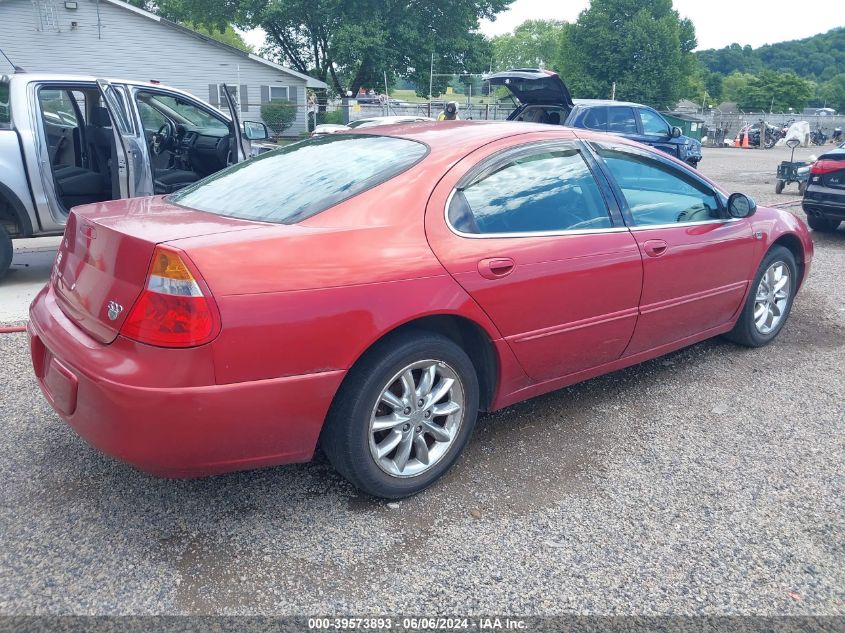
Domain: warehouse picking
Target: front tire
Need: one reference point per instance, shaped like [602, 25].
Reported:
[769, 301]
[779, 186]
[822, 224]
[403, 415]
[6, 251]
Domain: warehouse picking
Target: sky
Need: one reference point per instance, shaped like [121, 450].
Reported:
[717, 22]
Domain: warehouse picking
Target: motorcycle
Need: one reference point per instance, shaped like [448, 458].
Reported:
[837, 135]
[772, 136]
[817, 136]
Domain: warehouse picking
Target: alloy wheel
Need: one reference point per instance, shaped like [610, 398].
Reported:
[416, 418]
[772, 297]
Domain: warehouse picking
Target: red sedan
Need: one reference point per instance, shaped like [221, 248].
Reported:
[372, 292]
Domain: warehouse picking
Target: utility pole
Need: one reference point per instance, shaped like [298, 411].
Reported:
[430, 83]
[613, 92]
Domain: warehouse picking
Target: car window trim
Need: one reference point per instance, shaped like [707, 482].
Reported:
[489, 164]
[623, 203]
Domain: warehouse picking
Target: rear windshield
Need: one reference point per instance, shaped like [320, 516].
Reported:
[293, 183]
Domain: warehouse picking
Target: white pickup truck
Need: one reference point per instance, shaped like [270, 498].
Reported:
[67, 140]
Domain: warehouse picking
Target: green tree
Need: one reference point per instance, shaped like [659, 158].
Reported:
[351, 44]
[533, 44]
[832, 93]
[228, 36]
[642, 45]
[819, 57]
[776, 92]
[735, 86]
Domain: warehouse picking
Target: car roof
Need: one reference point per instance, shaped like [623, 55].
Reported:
[38, 76]
[460, 137]
[607, 102]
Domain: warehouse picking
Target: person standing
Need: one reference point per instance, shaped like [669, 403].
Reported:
[450, 112]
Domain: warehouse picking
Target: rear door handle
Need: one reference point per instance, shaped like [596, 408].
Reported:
[654, 248]
[495, 267]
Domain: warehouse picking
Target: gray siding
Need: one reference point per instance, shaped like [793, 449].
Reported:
[132, 46]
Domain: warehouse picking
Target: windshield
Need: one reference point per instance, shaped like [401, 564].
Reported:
[293, 183]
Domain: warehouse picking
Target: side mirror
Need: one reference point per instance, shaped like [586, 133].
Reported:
[676, 131]
[255, 131]
[741, 206]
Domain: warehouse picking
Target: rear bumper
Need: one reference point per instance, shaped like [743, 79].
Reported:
[173, 430]
[819, 200]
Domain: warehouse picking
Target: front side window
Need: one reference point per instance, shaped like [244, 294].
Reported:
[542, 192]
[296, 182]
[653, 124]
[621, 120]
[657, 193]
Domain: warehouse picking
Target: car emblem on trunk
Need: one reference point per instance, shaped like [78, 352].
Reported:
[114, 310]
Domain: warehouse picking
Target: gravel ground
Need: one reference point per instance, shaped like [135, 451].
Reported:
[709, 481]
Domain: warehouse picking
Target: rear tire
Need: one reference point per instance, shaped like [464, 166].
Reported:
[6, 251]
[377, 413]
[822, 224]
[765, 312]
[802, 187]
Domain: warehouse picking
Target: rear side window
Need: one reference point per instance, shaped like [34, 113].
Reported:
[595, 119]
[544, 192]
[5, 108]
[296, 182]
[621, 120]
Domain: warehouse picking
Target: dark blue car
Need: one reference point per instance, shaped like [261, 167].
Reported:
[544, 98]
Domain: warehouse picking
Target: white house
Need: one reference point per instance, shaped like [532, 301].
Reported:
[113, 39]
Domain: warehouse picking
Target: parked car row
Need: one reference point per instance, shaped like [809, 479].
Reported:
[467, 265]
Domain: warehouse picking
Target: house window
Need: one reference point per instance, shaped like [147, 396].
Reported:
[279, 93]
[233, 90]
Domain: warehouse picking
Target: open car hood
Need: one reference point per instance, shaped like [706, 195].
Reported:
[531, 85]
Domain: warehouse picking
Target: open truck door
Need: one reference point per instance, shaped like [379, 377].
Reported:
[131, 160]
[237, 151]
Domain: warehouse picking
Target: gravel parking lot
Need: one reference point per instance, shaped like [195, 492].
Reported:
[709, 481]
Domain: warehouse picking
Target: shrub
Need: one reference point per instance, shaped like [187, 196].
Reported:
[278, 115]
[335, 117]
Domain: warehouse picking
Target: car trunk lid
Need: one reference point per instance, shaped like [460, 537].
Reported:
[533, 86]
[103, 260]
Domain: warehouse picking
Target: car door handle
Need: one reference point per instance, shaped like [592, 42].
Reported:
[654, 248]
[495, 267]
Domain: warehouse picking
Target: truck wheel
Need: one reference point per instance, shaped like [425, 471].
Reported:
[779, 186]
[6, 251]
[802, 187]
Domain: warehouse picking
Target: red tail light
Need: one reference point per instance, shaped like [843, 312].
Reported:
[172, 310]
[826, 166]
